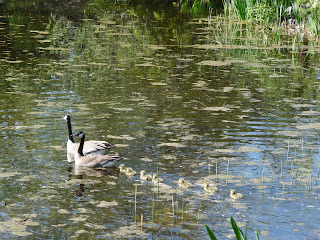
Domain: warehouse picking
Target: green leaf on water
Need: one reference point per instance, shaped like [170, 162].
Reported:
[211, 235]
[236, 229]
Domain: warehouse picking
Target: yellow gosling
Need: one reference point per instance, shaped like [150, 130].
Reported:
[209, 189]
[130, 171]
[183, 184]
[122, 168]
[235, 195]
[144, 176]
[155, 179]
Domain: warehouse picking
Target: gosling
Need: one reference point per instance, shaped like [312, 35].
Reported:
[144, 176]
[130, 172]
[122, 168]
[209, 189]
[155, 179]
[235, 195]
[183, 184]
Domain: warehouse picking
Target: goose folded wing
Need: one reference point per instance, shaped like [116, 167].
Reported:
[99, 161]
[93, 146]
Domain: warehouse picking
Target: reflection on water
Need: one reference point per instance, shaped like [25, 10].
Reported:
[179, 97]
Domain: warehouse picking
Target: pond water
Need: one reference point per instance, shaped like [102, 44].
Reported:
[188, 98]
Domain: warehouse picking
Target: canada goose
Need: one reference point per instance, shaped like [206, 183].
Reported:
[144, 176]
[90, 147]
[93, 160]
[155, 179]
[183, 184]
[235, 195]
[209, 189]
[130, 172]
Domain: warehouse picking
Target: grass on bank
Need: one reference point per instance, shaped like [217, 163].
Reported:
[296, 17]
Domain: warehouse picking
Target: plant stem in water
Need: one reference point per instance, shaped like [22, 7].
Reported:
[135, 204]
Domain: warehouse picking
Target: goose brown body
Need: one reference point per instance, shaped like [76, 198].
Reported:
[93, 160]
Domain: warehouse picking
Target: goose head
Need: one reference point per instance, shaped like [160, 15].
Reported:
[66, 117]
[79, 134]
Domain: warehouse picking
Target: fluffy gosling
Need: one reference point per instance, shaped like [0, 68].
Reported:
[144, 176]
[155, 179]
[209, 189]
[183, 184]
[130, 172]
[122, 168]
[235, 195]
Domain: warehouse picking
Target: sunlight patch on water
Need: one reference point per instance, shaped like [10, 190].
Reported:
[8, 174]
[130, 231]
[172, 144]
[18, 226]
[104, 204]
[213, 63]
[309, 126]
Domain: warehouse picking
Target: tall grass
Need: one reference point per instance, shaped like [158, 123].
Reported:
[276, 12]
[197, 7]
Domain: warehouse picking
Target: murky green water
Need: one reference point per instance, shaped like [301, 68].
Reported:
[176, 95]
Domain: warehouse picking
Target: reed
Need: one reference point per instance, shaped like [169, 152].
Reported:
[158, 192]
[278, 15]
[281, 167]
[135, 204]
[261, 178]
[199, 210]
[237, 231]
[173, 213]
[310, 174]
[228, 167]
[152, 216]
[182, 209]
[217, 168]
[177, 208]
[310, 179]
[288, 149]
[141, 221]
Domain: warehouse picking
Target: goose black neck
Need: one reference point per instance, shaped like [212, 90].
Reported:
[80, 149]
[70, 130]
